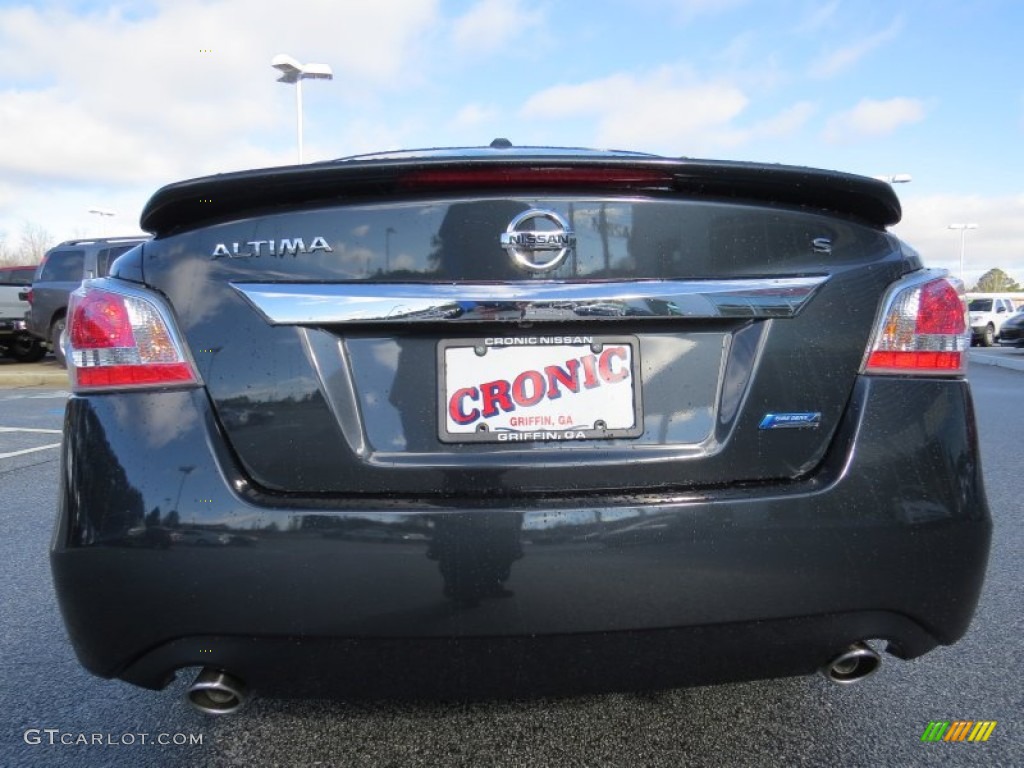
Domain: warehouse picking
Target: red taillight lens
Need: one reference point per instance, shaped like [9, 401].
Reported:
[940, 310]
[923, 330]
[101, 321]
[122, 338]
[30, 296]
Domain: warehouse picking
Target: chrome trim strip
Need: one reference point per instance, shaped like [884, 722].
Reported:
[534, 300]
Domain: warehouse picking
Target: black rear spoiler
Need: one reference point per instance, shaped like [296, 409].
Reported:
[189, 204]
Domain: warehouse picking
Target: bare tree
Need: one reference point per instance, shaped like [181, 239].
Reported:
[35, 242]
[7, 256]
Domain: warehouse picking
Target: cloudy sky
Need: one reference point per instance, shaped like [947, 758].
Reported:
[101, 103]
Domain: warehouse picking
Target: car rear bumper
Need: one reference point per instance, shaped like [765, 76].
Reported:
[32, 325]
[1011, 338]
[165, 557]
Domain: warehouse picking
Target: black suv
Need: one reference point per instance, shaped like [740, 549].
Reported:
[509, 421]
[62, 271]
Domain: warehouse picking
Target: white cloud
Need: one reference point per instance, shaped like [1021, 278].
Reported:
[739, 49]
[474, 115]
[692, 8]
[749, 62]
[819, 17]
[490, 24]
[996, 242]
[47, 135]
[780, 125]
[100, 107]
[63, 211]
[661, 112]
[787, 121]
[870, 118]
[359, 136]
[687, 10]
[125, 99]
[844, 58]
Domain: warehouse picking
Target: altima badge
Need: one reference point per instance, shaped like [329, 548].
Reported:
[286, 246]
[532, 248]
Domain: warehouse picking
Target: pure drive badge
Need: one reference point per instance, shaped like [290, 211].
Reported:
[791, 420]
[538, 240]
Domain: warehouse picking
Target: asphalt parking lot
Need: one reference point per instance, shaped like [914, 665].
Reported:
[54, 713]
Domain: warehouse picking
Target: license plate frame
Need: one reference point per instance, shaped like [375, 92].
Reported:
[489, 373]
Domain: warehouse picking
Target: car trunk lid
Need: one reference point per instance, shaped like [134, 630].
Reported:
[365, 328]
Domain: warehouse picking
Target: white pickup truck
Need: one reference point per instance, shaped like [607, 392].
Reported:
[15, 340]
[987, 317]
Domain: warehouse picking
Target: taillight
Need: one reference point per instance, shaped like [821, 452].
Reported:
[614, 177]
[30, 296]
[120, 337]
[922, 329]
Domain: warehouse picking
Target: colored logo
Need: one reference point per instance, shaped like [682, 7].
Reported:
[791, 421]
[525, 389]
[959, 730]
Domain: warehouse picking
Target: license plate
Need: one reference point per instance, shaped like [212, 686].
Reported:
[536, 388]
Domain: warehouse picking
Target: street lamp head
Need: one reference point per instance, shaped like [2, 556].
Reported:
[102, 212]
[963, 226]
[317, 72]
[292, 71]
[898, 178]
[285, 63]
[290, 68]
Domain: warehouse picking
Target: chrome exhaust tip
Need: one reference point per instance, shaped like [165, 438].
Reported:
[217, 693]
[852, 665]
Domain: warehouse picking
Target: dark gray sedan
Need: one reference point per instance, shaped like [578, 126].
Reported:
[516, 421]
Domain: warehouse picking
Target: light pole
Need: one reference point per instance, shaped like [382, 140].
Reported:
[103, 213]
[387, 248]
[963, 233]
[294, 72]
[185, 471]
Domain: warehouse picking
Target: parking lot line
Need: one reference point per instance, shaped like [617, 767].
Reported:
[59, 394]
[32, 430]
[28, 450]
